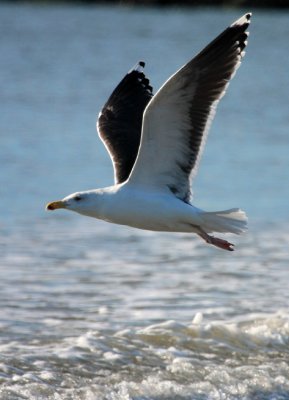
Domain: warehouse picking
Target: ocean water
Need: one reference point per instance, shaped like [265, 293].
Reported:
[90, 310]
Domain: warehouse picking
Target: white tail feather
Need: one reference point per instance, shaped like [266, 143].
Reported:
[233, 221]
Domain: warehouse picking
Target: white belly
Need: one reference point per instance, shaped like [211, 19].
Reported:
[156, 211]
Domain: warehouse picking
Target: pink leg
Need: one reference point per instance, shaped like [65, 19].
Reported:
[221, 243]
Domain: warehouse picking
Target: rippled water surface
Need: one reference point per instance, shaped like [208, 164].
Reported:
[95, 311]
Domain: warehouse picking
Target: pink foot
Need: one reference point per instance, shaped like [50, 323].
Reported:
[221, 243]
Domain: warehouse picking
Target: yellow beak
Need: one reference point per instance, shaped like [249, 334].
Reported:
[55, 205]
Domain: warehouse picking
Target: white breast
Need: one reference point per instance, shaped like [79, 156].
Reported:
[150, 210]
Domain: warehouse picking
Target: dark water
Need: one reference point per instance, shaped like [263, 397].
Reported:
[95, 311]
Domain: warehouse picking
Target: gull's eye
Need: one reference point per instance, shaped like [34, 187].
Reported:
[77, 198]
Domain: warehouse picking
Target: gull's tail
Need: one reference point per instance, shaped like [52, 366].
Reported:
[231, 221]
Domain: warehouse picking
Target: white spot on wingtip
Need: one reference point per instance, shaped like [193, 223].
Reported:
[245, 19]
[138, 67]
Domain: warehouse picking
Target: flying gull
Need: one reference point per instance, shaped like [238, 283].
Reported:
[156, 141]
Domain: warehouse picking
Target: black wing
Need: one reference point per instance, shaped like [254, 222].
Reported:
[120, 120]
[177, 120]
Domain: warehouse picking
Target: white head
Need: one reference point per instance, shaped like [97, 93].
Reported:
[86, 203]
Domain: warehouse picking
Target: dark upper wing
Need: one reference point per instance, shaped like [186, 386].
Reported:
[120, 120]
[177, 120]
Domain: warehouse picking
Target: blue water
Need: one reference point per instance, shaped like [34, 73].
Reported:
[95, 311]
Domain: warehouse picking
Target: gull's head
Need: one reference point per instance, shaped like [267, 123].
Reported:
[81, 202]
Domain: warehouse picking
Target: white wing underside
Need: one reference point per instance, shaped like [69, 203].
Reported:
[164, 140]
[177, 119]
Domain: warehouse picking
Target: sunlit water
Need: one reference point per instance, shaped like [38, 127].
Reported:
[95, 311]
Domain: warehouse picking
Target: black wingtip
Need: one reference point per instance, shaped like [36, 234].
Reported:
[243, 21]
[138, 67]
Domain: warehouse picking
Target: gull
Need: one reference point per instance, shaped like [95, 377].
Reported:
[156, 141]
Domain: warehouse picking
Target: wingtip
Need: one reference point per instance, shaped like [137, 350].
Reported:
[138, 67]
[245, 19]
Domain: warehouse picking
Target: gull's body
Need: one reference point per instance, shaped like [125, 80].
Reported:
[155, 143]
[170, 214]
